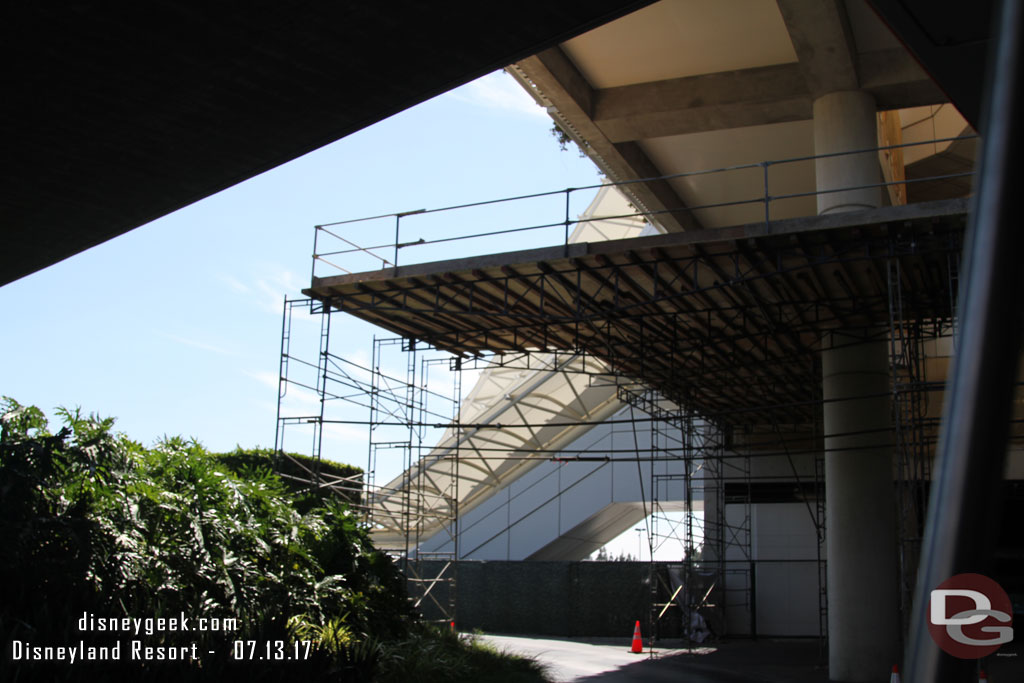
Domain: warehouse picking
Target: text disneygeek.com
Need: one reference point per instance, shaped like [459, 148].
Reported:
[136, 648]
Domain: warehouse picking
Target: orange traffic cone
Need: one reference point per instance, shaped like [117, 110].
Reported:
[638, 640]
[982, 677]
[895, 676]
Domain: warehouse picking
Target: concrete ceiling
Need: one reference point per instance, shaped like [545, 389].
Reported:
[117, 115]
[691, 85]
[677, 39]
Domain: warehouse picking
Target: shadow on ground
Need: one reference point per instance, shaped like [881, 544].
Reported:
[777, 660]
[609, 659]
[767, 660]
[763, 661]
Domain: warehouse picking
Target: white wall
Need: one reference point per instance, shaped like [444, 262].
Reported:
[787, 592]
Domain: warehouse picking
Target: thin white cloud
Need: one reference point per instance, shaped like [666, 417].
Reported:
[360, 357]
[346, 433]
[498, 90]
[234, 284]
[300, 401]
[269, 379]
[272, 288]
[195, 343]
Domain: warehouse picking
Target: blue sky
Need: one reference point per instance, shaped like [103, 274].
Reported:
[174, 328]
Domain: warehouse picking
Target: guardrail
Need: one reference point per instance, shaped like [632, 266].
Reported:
[548, 218]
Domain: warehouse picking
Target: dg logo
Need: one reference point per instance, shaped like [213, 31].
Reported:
[970, 616]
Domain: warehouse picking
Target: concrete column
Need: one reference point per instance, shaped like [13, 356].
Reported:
[863, 600]
[846, 121]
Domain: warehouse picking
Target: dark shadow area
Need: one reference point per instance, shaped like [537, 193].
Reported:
[738, 661]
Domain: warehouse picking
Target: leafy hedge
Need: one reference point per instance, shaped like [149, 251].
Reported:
[96, 524]
[294, 468]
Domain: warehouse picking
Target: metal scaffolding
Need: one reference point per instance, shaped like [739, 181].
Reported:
[714, 575]
[918, 349]
[402, 408]
[705, 345]
[420, 498]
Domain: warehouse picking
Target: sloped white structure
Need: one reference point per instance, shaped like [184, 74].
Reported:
[507, 485]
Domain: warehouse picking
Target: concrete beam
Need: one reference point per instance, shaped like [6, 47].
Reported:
[748, 97]
[821, 36]
[557, 84]
[731, 99]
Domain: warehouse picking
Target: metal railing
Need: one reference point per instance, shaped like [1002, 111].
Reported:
[428, 231]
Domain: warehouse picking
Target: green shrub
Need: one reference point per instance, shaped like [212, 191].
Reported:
[96, 524]
[431, 654]
[294, 470]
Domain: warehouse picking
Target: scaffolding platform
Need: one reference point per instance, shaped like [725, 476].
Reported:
[727, 321]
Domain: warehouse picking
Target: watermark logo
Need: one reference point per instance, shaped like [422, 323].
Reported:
[970, 616]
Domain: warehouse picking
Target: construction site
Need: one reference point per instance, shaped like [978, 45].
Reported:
[779, 341]
[741, 345]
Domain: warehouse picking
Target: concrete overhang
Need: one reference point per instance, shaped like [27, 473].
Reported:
[118, 114]
[679, 87]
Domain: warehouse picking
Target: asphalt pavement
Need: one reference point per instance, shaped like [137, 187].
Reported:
[606, 660]
[766, 660]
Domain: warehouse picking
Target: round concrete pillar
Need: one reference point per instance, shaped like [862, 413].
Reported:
[843, 122]
[860, 510]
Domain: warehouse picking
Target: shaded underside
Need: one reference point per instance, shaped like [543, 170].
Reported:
[726, 321]
[118, 115]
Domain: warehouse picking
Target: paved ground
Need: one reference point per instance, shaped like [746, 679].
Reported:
[573, 660]
[767, 660]
[610, 661]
